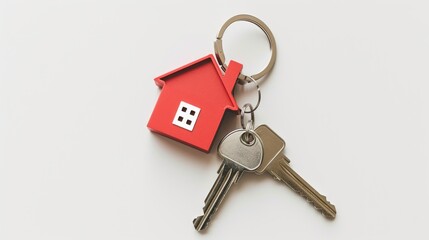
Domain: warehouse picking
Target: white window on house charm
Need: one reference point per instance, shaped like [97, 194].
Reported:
[186, 116]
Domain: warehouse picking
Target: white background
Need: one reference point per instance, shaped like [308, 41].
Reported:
[349, 94]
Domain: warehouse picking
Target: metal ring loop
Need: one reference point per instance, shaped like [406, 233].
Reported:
[259, 95]
[252, 116]
[249, 126]
[220, 55]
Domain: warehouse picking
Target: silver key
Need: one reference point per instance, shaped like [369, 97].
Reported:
[277, 164]
[238, 156]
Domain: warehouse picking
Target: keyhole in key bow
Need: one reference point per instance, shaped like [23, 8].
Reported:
[247, 139]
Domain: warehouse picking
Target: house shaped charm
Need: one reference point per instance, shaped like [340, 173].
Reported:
[193, 101]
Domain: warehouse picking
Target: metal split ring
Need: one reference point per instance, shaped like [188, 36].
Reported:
[259, 96]
[220, 55]
[251, 121]
[247, 136]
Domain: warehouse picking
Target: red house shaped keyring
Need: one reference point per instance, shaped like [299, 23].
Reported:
[194, 97]
[193, 101]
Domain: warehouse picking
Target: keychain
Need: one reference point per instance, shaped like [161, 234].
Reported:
[194, 97]
[191, 106]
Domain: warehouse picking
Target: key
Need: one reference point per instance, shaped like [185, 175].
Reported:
[240, 152]
[277, 164]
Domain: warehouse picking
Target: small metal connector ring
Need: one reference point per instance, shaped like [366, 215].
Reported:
[250, 124]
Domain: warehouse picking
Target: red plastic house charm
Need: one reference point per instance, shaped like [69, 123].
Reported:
[193, 101]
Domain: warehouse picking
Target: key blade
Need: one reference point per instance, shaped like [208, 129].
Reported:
[228, 175]
[281, 171]
[241, 150]
[277, 164]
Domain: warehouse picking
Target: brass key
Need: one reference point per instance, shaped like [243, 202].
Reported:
[277, 164]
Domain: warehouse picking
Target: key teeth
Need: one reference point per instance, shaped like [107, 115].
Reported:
[319, 209]
[301, 193]
[328, 216]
